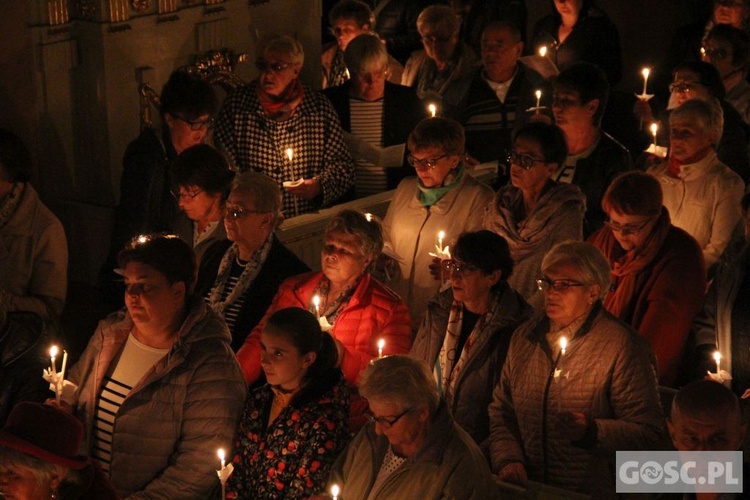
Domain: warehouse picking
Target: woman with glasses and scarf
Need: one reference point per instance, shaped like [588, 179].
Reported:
[728, 50]
[658, 273]
[442, 198]
[533, 212]
[466, 331]
[239, 276]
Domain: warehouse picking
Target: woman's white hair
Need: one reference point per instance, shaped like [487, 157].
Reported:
[401, 380]
[585, 257]
[283, 44]
[707, 114]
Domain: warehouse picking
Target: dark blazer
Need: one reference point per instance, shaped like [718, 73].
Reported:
[280, 265]
[402, 111]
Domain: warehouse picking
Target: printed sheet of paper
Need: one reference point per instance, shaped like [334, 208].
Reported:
[389, 157]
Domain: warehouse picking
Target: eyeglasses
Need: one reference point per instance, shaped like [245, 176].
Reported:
[373, 75]
[717, 54]
[234, 213]
[265, 66]
[424, 163]
[196, 125]
[522, 160]
[386, 423]
[684, 87]
[627, 229]
[545, 284]
[179, 195]
[457, 267]
[432, 39]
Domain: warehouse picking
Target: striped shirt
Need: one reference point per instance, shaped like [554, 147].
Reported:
[134, 361]
[233, 310]
[367, 124]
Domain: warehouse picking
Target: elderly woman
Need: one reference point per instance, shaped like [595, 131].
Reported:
[728, 49]
[466, 331]
[158, 384]
[533, 212]
[701, 194]
[299, 418]
[281, 127]
[349, 19]
[374, 112]
[34, 260]
[239, 276]
[563, 408]
[39, 457]
[442, 72]
[360, 309]
[412, 448]
[443, 197]
[658, 274]
[201, 178]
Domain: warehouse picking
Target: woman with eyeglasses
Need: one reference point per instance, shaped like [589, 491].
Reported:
[201, 179]
[357, 309]
[286, 130]
[577, 385]
[239, 276]
[443, 197]
[412, 447]
[728, 50]
[658, 273]
[533, 212]
[466, 330]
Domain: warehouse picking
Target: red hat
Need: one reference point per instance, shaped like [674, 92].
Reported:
[44, 432]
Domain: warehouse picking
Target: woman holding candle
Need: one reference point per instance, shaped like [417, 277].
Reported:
[240, 275]
[158, 385]
[298, 419]
[443, 197]
[533, 212]
[360, 308]
[658, 273]
[610, 400]
[466, 330]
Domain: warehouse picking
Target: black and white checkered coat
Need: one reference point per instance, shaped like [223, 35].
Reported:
[252, 141]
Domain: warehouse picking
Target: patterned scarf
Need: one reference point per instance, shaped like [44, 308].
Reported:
[281, 107]
[449, 367]
[338, 74]
[331, 309]
[430, 196]
[9, 205]
[249, 273]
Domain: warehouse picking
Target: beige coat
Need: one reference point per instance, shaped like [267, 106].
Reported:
[411, 231]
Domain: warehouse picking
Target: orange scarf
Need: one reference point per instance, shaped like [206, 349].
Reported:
[281, 107]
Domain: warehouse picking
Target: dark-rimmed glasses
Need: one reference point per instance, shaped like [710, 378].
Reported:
[684, 87]
[545, 284]
[197, 124]
[386, 423]
[263, 66]
[522, 160]
[424, 163]
[234, 213]
[627, 229]
[179, 195]
[457, 267]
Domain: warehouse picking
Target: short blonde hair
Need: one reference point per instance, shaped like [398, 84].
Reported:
[707, 114]
[261, 190]
[364, 53]
[401, 380]
[439, 17]
[585, 257]
[283, 44]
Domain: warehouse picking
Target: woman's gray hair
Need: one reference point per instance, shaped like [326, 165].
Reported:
[369, 233]
[437, 17]
[73, 481]
[283, 44]
[706, 113]
[365, 53]
[260, 190]
[401, 380]
[585, 257]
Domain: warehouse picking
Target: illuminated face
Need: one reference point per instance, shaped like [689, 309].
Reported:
[719, 53]
[185, 133]
[439, 43]
[433, 165]
[570, 112]
[709, 431]
[281, 361]
[470, 285]
[277, 71]
[244, 225]
[343, 262]
[630, 231]
[731, 12]
[533, 179]
[346, 30]
[565, 306]
[687, 85]
[20, 483]
[406, 431]
[198, 204]
[687, 139]
[151, 300]
[369, 85]
[568, 7]
[500, 51]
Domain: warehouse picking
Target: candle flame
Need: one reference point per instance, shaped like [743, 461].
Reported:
[53, 351]
[142, 239]
[316, 300]
[441, 235]
[221, 454]
[717, 356]
[289, 153]
[645, 72]
[368, 216]
[381, 344]
[335, 490]
[543, 50]
[703, 51]
[563, 344]
[538, 94]
[654, 128]
[433, 110]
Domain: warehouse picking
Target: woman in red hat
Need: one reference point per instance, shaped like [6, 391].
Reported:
[39, 457]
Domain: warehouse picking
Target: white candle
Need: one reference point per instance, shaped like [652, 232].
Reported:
[316, 303]
[717, 358]
[290, 154]
[563, 346]
[62, 372]
[53, 355]
[381, 344]
[654, 130]
[221, 457]
[543, 50]
[441, 235]
[645, 72]
[561, 375]
[433, 110]
[538, 94]
[335, 491]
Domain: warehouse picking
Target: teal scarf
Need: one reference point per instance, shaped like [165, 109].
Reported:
[430, 196]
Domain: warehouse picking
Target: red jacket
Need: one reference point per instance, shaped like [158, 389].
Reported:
[374, 312]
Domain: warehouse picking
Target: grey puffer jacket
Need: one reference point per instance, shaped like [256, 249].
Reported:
[611, 379]
[184, 408]
[474, 385]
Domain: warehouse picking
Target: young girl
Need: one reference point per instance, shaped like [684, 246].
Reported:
[294, 427]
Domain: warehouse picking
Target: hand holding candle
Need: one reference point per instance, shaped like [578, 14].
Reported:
[720, 376]
[224, 472]
[51, 375]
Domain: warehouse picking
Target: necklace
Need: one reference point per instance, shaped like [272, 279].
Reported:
[239, 262]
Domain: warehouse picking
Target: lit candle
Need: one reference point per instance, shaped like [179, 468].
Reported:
[53, 355]
[368, 216]
[645, 72]
[224, 474]
[335, 491]
[441, 235]
[222, 457]
[703, 52]
[538, 94]
[543, 51]
[290, 154]
[563, 346]
[560, 374]
[654, 130]
[717, 358]
[433, 110]
[316, 303]
[381, 344]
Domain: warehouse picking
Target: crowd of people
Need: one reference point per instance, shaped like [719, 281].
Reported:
[479, 338]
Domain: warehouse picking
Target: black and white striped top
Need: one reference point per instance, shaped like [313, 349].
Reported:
[367, 124]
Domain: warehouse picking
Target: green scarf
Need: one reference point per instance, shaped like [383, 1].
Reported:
[430, 196]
